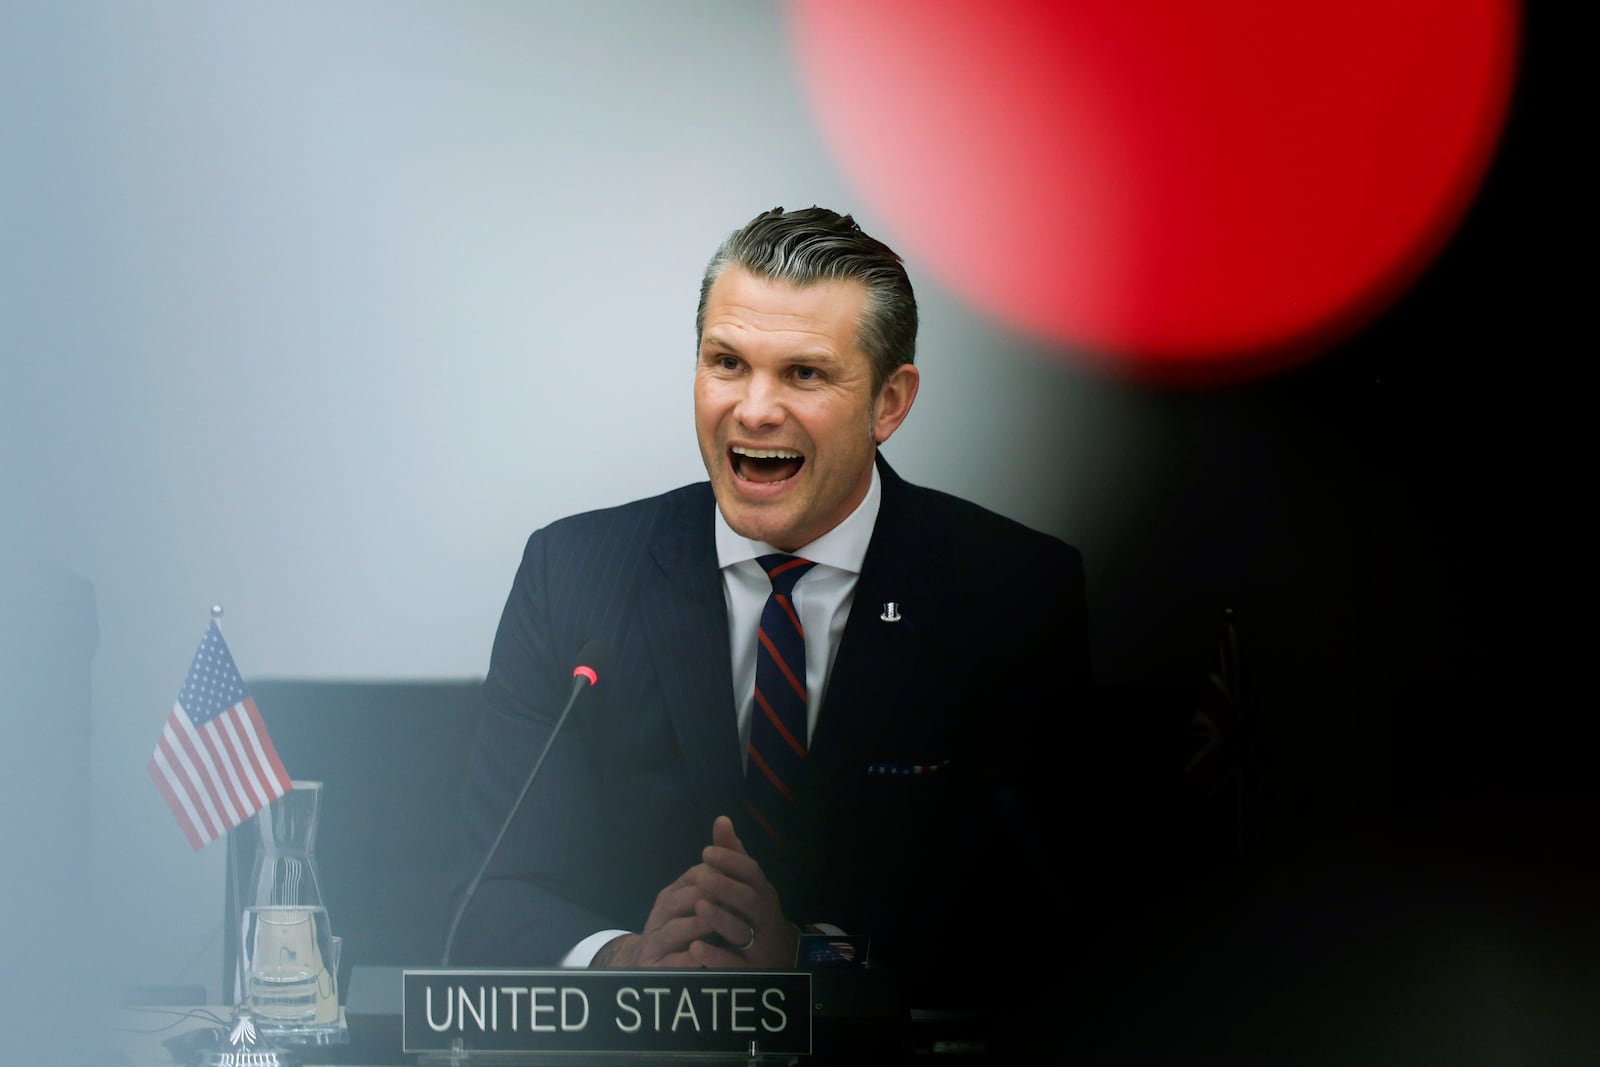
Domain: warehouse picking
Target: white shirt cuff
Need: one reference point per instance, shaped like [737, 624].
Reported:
[582, 954]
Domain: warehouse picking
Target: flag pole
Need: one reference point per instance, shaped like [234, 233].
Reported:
[242, 1038]
[234, 927]
[235, 911]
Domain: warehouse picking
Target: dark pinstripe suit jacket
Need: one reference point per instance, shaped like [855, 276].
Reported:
[976, 683]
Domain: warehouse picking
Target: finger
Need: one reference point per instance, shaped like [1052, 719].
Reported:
[675, 958]
[678, 883]
[755, 929]
[681, 901]
[728, 848]
[716, 957]
[679, 896]
[721, 864]
[731, 891]
[683, 930]
[734, 864]
[676, 900]
[731, 926]
[724, 835]
[678, 961]
[672, 938]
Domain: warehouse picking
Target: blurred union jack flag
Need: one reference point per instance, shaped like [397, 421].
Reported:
[214, 762]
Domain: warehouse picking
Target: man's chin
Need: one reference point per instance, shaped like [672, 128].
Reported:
[741, 524]
[755, 522]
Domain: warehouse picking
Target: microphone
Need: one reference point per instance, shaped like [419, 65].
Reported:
[594, 659]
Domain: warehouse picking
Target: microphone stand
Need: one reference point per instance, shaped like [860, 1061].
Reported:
[585, 676]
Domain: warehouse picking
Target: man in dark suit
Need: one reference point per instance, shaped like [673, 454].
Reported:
[945, 654]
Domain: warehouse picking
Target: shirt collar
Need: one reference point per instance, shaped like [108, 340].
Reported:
[844, 546]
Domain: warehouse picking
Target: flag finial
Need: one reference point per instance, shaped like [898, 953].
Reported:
[216, 612]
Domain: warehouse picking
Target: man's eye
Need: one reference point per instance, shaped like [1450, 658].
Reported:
[728, 363]
[805, 374]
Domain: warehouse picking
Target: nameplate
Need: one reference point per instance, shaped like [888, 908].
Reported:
[733, 1012]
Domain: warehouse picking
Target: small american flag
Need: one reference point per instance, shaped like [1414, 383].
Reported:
[214, 762]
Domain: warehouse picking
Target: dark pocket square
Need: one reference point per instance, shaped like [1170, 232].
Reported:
[890, 767]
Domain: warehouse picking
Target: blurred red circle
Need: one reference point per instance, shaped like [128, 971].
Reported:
[1179, 190]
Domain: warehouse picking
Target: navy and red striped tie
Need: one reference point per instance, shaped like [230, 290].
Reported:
[778, 722]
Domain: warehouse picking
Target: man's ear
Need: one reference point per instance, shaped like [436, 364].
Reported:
[894, 401]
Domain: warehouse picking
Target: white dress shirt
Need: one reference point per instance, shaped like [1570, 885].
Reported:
[822, 598]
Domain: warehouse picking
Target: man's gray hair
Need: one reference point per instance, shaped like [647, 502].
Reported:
[816, 245]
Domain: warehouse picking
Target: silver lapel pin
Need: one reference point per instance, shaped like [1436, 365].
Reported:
[891, 612]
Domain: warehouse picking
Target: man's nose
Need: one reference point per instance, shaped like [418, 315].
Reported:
[761, 403]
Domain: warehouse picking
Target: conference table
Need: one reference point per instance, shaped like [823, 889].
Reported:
[851, 1030]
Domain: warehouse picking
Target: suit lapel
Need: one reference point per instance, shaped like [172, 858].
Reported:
[687, 617]
[875, 655]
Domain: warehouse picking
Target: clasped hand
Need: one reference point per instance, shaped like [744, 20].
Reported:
[720, 914]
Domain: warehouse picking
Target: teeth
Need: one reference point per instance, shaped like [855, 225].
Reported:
[765, 453]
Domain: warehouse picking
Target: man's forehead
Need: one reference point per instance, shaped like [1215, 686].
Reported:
[741, 302]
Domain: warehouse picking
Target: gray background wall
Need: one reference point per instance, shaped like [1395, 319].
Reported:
[316, 311]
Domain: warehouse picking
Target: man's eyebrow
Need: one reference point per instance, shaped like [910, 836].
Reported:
[817, 356]
[820, 357]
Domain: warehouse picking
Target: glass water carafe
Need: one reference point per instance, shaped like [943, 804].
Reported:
[290, 957]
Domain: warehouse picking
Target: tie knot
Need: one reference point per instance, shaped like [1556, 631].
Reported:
[783, 570]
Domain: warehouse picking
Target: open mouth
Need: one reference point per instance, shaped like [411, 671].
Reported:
[765, 464]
